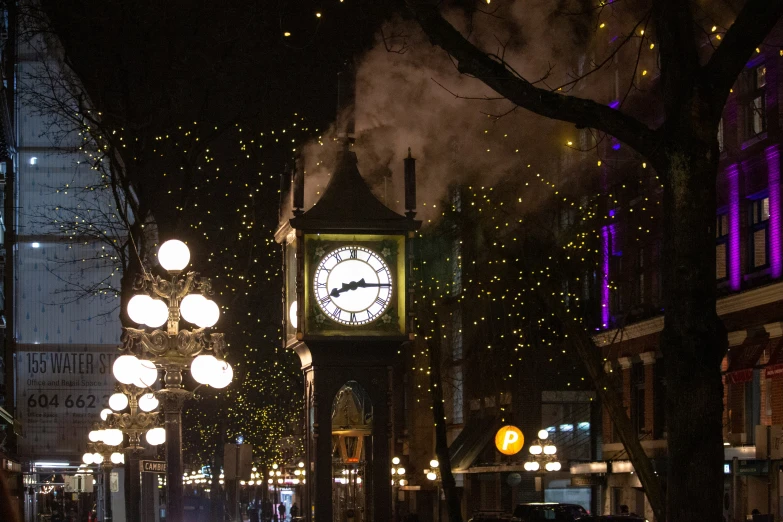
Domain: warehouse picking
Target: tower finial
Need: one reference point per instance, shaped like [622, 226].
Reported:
[410, 185]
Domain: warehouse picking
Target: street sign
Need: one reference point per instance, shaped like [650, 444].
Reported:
[509, 440]
[237, 461]
[114, 482]
[153, 466]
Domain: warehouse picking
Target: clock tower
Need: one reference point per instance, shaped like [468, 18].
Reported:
[347, 311]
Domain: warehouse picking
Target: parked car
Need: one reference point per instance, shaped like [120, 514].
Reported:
[613, 518]
[490, 516]
[540, 511]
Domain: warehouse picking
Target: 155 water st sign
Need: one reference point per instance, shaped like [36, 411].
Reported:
[60, 393]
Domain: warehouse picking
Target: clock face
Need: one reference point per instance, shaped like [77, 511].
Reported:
[353, 285]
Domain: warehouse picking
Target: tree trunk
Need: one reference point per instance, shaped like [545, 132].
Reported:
[132, 269]
[694, 339]
[441, 440]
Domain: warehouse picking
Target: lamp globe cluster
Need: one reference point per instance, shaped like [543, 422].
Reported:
[110, 437]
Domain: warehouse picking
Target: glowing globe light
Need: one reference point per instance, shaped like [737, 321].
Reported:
[396, 460]
[147, 374]
[431, 475]
[95, 435]
[552, 466]
[174, 255]
[118, 402]
[191, 307]
[88, 458]
[97, 458]
[403, 482]
[117, 458]
[401, 471]
[208, 315]
[543, 434]
[550, 449]
[112, 437]
[536, 449]
[532, 466]
[137, 308]
[203, 367]
[434, 463]
[105, 414]
[148, 402]
[126, 368]
[292, 314]
[393, 471]
[222, 376]
[156, 314]
[156, 436]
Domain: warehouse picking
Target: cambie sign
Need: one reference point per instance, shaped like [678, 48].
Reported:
[153, 466]
[509, 440]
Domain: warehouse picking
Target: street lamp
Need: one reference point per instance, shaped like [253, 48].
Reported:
[140, 419]
[433, 475]
[102, 452]
[543, 454]
[397, 480]
[174, 350]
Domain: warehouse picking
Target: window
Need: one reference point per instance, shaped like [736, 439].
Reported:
[640, 279]
[756, 117]
[637, 397]
[721, 246]
[758, 237]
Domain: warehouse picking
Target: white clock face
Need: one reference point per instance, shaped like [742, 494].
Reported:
[353, 285]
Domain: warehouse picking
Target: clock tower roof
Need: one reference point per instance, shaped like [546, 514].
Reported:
[348, 204]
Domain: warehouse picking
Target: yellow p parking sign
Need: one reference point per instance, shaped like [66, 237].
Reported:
[509, 440]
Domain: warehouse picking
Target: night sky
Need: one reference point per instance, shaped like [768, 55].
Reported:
[224, 92]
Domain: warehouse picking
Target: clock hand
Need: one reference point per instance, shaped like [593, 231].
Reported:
[353, 285]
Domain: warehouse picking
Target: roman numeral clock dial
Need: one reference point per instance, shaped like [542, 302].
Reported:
[353, 285]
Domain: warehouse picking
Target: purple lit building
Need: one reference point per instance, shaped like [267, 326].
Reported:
[749, 266]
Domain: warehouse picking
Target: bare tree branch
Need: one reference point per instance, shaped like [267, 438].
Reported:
[579, 111]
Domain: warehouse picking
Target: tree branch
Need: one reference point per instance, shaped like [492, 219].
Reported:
[496, 74]
[748, 31]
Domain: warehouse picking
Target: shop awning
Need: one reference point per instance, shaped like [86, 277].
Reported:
[473, 438]
[775, 365]
[743, 358]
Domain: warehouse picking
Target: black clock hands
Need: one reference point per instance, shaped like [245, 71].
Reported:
[353, 285]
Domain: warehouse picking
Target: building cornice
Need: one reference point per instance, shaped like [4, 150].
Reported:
[725, 305]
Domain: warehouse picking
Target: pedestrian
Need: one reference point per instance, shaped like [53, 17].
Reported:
[294, 512]
[281, 511]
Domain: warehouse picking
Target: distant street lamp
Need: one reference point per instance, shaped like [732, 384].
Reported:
[397, 481]
[174, 350]
[102, 451]
[433, 474]
[543, 454]
[140, 419]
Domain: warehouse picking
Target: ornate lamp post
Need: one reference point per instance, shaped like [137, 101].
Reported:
[102, 451]
[175, 350]
[543, 454]
[138, 419]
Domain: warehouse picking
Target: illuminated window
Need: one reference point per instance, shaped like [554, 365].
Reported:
[758, 237]
[721, 246]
